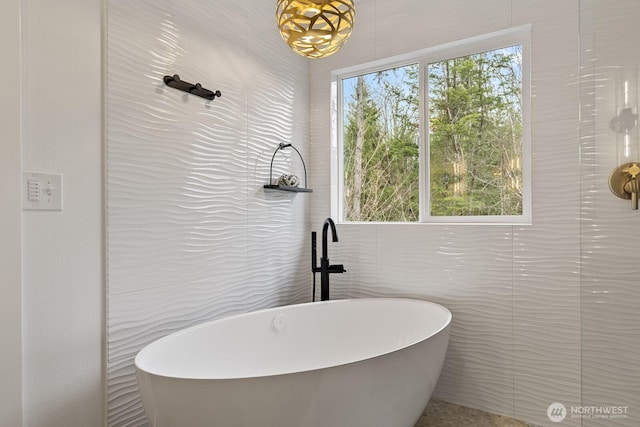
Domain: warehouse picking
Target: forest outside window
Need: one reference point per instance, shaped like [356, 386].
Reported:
[441, 135]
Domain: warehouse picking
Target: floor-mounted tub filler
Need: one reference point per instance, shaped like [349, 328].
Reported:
[342, 363]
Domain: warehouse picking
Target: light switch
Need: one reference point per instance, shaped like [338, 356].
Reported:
[41, 191]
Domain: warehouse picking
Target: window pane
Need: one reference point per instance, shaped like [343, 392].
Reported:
[475, 134]
[380, 142]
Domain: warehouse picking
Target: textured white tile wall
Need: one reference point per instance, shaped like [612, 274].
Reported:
[191, 233]
[610, 229]
[542, 313]
[514, 291]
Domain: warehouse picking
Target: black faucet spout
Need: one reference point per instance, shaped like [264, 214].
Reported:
[334, 235]
[325, 268]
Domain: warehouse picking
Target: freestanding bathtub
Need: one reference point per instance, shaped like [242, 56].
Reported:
[342, 363]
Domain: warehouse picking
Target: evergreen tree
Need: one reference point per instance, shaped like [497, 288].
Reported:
[381, 149]
[475, 140]
[476, 135]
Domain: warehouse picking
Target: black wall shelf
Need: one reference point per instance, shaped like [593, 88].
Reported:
[278, 187]
[288, 188]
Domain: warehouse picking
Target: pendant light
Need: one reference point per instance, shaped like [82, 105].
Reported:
[315, 28]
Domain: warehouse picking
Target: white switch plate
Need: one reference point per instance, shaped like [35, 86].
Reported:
[41, 191]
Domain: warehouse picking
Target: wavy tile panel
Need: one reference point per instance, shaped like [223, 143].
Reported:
[191, 234]
[547, 369]
[610, 232]
[506, 286]
[547, 311]
[610, 262]
[611, 375]
[467, 269]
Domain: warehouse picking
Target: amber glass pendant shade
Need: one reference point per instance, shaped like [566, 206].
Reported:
[315, 28]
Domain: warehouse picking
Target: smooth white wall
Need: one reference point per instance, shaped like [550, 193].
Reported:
[514, 290]
[10, 243]
[62, 251]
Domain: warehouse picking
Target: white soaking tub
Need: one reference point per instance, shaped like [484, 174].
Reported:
[342, 363]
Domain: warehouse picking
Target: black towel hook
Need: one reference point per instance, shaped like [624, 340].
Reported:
[194, 89]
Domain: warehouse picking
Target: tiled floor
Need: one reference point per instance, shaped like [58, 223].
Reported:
[443, 414]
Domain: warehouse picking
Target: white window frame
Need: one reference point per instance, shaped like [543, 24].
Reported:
[513, 36]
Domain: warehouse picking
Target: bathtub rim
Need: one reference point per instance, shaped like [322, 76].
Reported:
[149, 347]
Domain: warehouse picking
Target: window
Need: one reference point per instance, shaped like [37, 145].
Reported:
[440, 135]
